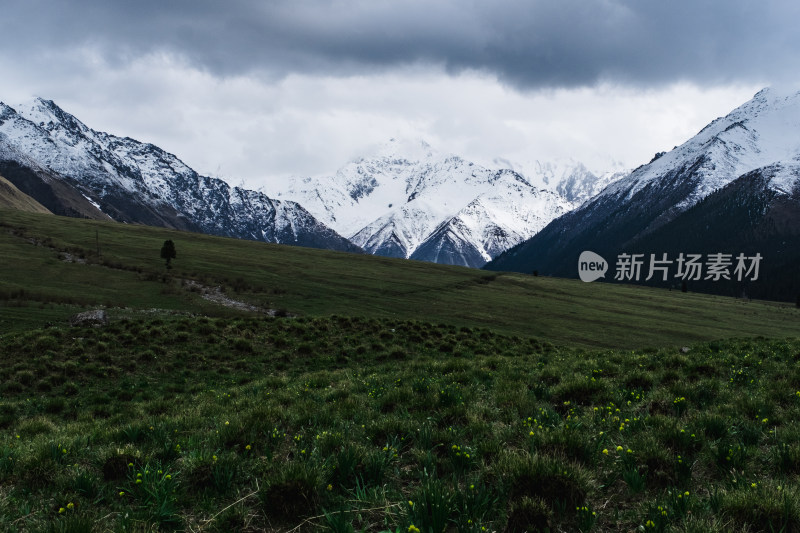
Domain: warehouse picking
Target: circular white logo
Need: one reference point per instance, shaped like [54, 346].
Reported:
[591, 266]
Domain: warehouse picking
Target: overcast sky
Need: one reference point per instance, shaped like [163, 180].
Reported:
[255, 90]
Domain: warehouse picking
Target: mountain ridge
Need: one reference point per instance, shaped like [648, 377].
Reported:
[403, 199]
[134, 182]
[648, 208]
[407, 199]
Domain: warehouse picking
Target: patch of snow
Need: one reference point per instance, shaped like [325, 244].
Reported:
[786, 178]
[95, 204]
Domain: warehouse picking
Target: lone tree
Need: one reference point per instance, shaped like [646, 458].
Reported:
[168, 252]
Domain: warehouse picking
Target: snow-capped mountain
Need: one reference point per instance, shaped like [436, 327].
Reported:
[405, 199]
[409, 200]
[758, 143]
[46, 151]
[567, 177]
[763, 131]
[491, 223]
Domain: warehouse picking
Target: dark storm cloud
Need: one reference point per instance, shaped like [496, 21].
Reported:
[526, 43]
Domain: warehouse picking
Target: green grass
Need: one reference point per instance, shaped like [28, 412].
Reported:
[128, 276]
[363, 424]
[401, 397]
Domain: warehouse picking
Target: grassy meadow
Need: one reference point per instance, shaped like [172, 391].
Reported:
[395, 396]
[128, 277]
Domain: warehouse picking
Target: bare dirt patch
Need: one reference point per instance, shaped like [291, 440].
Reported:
[215, 294]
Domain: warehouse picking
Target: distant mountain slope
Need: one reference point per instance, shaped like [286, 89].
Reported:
[55, 158]
[408, 200]
[13, 198]
[491, 223]
[56, 193]
[756, 214]
[568, 178]
[761, 134]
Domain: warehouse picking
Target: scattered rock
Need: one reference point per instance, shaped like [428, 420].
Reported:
[215, 294]
[69, 258]
[97, 318]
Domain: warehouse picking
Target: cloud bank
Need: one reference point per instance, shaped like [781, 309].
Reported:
[260, 89]
[528, 44]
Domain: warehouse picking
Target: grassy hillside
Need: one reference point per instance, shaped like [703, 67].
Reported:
[13, 198]
[351, 424]
[402, 397]
[118, 266]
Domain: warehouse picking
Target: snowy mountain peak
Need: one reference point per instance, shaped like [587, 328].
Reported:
[564, 176]
[46, 114]
[728, 176]
[404, 199]
[136, 182]
[773, 95]
[758, 133]
[407, 199]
